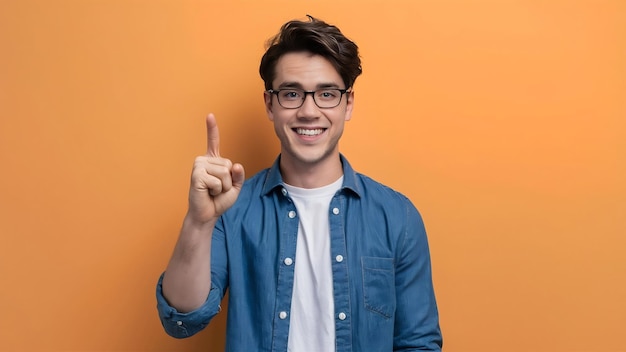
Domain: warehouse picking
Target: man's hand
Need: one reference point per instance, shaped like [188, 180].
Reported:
[215, 181]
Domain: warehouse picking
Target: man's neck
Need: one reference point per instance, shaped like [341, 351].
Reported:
[312, 175]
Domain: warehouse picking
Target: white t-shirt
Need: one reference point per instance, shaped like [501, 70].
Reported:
[312, 322]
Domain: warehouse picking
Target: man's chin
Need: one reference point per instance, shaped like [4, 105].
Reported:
[309, 157]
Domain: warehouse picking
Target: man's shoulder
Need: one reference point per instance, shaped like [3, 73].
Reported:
[379, 199]
[371, 185]
[374, 191]
[367, 186]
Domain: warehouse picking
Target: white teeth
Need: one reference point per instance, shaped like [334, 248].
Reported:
[306, 132]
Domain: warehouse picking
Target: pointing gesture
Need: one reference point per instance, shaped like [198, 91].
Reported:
[212, 137]
[215, 181]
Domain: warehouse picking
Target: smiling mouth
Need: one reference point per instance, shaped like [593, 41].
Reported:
[309, 132]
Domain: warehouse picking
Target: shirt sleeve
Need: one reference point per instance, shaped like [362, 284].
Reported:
[181, 325]
[417, 317]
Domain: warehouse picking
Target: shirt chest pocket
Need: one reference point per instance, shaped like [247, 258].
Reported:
[379, 289]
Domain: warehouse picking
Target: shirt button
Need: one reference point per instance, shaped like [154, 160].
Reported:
[335, 211]
[292, 214]
[284, 192]
[288, 261]
[342, 316]
[179, 323]
[282, 315]
[339, 258]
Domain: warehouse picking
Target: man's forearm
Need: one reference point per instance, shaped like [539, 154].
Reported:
[187, 279]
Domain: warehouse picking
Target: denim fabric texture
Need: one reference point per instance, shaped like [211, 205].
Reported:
[382, 283]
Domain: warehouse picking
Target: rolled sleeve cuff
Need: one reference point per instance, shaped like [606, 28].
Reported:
[181, 325]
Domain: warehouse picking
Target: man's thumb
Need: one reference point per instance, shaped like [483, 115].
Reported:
[238, 175]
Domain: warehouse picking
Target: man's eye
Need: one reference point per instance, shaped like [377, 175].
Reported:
[290, 94]
[327, 94]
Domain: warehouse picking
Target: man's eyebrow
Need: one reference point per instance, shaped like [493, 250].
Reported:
[299, 85]
[327, 85]
[290, 85]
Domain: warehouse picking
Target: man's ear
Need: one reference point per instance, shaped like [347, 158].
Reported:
[267, 97]
[349, 105]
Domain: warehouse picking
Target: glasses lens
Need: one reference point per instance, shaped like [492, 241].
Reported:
[290, 98]
[327, 98]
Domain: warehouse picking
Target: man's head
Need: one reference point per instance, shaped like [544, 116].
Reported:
[310, 58]
[316, 37]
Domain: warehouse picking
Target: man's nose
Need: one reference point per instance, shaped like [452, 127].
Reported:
[309, 106]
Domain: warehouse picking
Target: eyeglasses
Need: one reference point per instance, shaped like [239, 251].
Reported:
[293, 98]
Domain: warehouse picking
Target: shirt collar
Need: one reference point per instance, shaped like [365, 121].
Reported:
[274, 179]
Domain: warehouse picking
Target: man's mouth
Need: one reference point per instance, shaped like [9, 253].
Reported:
[309, 132]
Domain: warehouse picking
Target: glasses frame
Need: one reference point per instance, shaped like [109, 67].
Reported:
[312, 93]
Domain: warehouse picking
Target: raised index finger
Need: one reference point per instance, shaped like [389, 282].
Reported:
[212, 136]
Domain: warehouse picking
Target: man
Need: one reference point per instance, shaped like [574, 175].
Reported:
[316, 257]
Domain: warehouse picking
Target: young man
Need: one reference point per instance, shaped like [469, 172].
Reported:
[316, 257]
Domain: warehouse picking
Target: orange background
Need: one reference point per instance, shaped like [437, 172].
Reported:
[504, 122]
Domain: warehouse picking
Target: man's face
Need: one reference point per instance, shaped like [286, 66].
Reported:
[309, 135]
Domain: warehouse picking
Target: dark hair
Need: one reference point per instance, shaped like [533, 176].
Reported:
[316, 37]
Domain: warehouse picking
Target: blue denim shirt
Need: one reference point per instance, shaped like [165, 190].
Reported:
[382, 284]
